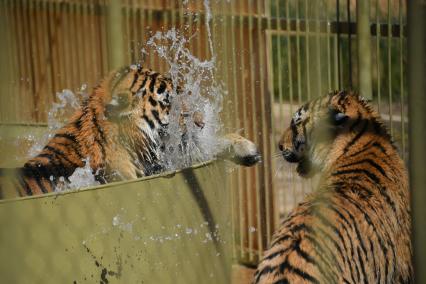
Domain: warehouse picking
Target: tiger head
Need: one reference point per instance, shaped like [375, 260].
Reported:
[140, 96]
[318, 127]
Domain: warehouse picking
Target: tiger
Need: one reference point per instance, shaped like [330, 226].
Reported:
[118, 132]
[355, 226]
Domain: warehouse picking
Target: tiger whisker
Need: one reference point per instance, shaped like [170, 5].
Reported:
[279, 168]
[279, 154]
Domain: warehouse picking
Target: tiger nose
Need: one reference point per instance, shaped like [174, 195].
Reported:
[281, 147]
[290, 157]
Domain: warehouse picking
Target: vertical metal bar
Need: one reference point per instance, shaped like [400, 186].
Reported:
[299, 65]
[133, 33]
[364, 48]
[103, 27]
[378, 60]
[254, 130]
[31, 78]
[174, 11]
[62, 44]
[336, 58]
[328, 37]
[150, 9]
[181, 15]
[96, 56]
[14, 61]
[87, 57]
[235, 210]
[115, 34]
[35, 58]
[73, 42]
[278, 66]
[140, 29]
[299, 71]
[224, 42]
[15, 56]
[339, 76]
[307, 46]
[417, 131]
[128, 14]
[289, 57]
[270, 198]
[401, 65]
[75, 58]
[348, 7]
[243, 191]
[389, 43]
[207, 44]
[164, 22]
[199, 36]
[290, 73]
[264, 189]
[278, 39]
[45, 67]
[6, 64]
[318, 47]
[22, 59]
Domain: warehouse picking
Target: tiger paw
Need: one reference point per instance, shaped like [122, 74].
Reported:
[239, 150]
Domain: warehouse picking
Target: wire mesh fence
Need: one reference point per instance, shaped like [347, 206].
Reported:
[271, 56]
[314, 51]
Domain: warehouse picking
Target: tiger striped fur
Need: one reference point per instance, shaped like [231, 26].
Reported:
[355, 227]
[117, 130]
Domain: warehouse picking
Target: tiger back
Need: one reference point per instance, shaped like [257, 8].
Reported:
[355, 227]
[116, 130]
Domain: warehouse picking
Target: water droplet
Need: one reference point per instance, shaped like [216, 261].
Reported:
[116, 220]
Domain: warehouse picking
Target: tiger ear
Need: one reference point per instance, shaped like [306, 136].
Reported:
[117, 105]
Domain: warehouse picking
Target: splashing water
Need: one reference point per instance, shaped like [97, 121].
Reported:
[67, 104]
[200, 94]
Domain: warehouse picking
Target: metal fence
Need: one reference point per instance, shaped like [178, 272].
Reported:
[316, 48]
[272, 55]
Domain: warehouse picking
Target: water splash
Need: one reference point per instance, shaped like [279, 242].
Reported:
[67, 104]
[200, 93]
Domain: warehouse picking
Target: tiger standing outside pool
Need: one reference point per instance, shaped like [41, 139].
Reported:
[356, 226]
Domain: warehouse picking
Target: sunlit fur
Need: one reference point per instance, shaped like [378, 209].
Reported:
[355, 227]
[118, 131]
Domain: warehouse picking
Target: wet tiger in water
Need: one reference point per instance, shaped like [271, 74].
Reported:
[118, 130]
[355, 227]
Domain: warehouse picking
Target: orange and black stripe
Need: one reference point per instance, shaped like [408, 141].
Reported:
[108, 123]
[355, 227]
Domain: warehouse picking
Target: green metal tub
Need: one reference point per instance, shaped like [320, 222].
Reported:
[170, 228]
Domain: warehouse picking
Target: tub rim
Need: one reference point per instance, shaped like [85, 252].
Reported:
[168, 174]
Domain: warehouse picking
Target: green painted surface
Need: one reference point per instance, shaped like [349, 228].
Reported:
[160, 229]
[15, 141]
